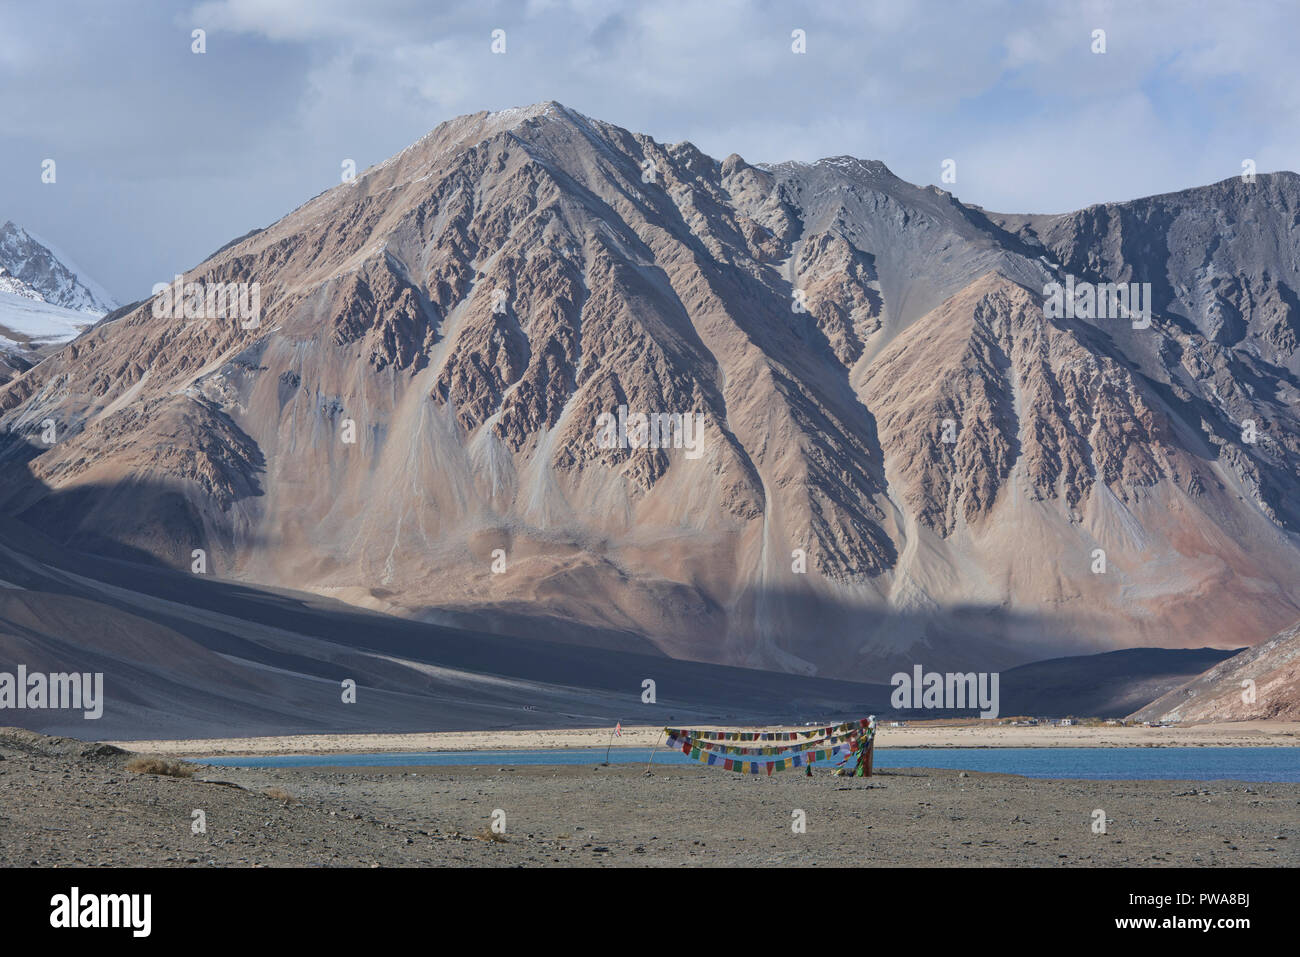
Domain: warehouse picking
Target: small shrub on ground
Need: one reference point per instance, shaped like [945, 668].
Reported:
[163, 766]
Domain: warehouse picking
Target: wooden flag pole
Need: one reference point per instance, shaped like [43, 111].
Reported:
[652, 756]
[607, 750]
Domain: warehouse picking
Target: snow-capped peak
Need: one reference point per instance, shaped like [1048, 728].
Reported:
[49, 273]
[45, 300]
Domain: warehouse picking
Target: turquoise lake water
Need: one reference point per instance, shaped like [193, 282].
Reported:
[1187, 764]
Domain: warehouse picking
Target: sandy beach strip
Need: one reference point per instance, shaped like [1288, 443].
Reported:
[1251, 734]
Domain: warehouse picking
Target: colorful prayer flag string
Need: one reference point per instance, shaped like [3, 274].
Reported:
[821, 744]
[712, 735]
[799, 760]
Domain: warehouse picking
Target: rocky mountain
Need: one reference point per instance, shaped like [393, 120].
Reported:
[43, 301]
[1260, 683]
[47, 273]
[874, 440]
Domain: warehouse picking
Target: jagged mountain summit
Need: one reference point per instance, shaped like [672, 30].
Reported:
[875, 441]
[44, 300]
[49, 274]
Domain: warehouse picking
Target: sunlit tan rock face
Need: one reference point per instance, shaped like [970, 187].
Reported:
[876, 446]
[1261, 683]
[1017, 393]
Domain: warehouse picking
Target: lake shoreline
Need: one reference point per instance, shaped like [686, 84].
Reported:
[1239, 734]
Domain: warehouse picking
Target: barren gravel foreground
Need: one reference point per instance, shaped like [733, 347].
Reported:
[68, 803]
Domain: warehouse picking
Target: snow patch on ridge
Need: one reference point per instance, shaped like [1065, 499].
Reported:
[35, 323]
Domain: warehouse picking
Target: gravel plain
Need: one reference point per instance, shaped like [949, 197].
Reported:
[67, 803]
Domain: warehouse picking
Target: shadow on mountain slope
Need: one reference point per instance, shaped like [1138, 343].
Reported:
[188, 656]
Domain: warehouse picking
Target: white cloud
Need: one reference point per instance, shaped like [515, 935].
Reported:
[291, 87]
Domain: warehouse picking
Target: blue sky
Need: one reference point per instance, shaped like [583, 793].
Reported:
[164, 155]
